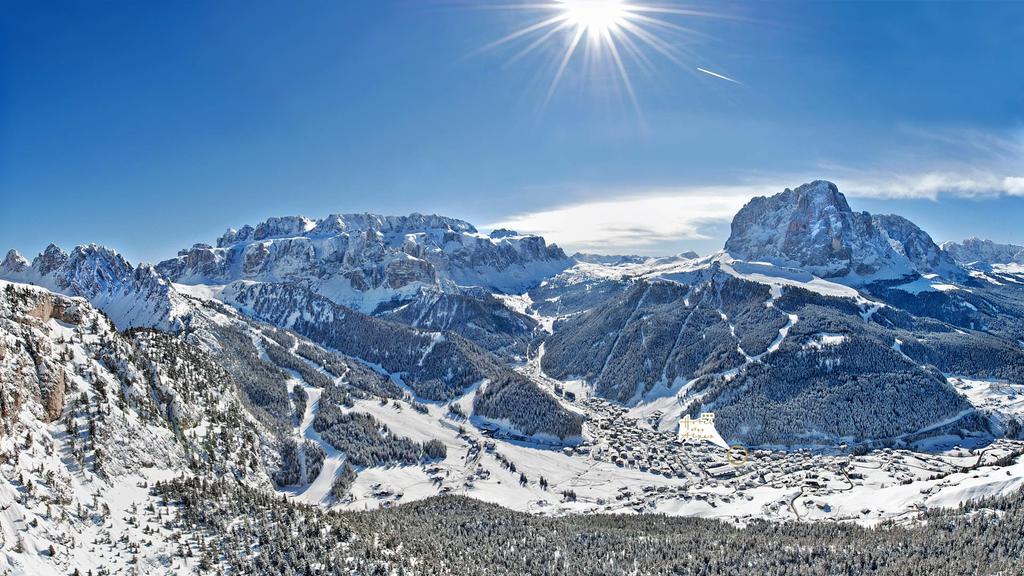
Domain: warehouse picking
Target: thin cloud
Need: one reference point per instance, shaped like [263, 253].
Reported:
[626, 221]
[717, 75]
[932, 185]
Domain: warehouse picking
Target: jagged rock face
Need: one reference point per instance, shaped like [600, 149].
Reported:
[346, 256]
[813, 227]
[51, 260]
[984, 251]
[131, 296]
[909, 240]
[34, 369]
[47, 307]
[53, 388]
[130, 394]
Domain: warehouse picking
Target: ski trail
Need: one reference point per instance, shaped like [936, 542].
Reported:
[683, 393]
[783, 332]
[679, 338]
[618, 336]
[319, 489]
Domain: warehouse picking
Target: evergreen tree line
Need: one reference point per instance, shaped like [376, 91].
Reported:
[255, 533]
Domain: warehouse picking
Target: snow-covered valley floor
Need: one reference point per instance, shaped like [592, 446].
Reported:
[612, 473]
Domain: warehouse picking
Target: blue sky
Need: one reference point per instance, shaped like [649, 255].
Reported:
[148, 126]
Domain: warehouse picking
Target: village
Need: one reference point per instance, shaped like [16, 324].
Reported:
[633, 465]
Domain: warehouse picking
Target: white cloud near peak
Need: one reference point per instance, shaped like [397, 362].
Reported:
[634, 221]
[626, 221]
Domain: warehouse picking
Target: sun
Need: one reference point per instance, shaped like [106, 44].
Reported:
[610, 33]
[596, 17]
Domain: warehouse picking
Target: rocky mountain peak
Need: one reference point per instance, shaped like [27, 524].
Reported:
[503, 233]
[819, 195]
[813, 227]
[93, 269]
[52, 258]
[909, 240]
[14, 263]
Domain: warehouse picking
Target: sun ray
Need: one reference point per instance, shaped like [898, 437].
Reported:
[654, 42]
[622, 69]
[539, 41]
[525, 31]
[565, 62]
[669, 25]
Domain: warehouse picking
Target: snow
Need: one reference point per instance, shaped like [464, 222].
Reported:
[825, 340]
[1012, 268]
[1001, 399]
[201, 291]
[436, 338]
[792, 319]
[108, 505]
[339, 289]
[520, 303]
[924, 284]
[598, 483]
[777, 276]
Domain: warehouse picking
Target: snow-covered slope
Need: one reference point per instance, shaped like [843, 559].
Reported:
[749, 346]
[88, 414]
[434, 366]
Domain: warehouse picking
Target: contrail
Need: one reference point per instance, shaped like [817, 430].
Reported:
[716, 75]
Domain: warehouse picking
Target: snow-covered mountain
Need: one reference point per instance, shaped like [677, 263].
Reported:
[975, 250]
[910, 241]
[132, 296]
[813, 227]
[782, 357]
[430, 272]
[435, 363]
[361, 260]
[633, 329]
